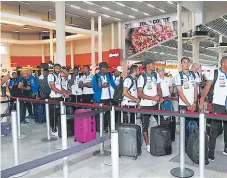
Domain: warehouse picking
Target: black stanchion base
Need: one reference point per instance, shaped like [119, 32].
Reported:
[105, 153]
[50, 140]
[176, 172]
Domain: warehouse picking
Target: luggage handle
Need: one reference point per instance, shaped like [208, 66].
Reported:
[92, 125]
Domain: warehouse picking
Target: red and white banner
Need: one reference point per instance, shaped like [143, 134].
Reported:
[115, 56]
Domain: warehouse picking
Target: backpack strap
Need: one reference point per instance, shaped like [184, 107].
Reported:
[145, 79]
[193, 74]
[181, 78]
[215, 76]
[131, 83]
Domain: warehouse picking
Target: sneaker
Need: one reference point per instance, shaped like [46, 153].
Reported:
[24, 122]
[211, 156]
[54, 133]
[148, 148]
[225, 151]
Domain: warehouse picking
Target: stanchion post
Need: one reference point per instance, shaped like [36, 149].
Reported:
[159, 119]
[18, 117]
[112, 118]
[201, 144]
[114, 154]
[47, 118]
[181, 171]
[64, 144]
[48, 139]
[14, 137]
[122, 115]
[101, 130]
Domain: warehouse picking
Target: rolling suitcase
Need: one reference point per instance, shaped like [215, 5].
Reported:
[84, 127]
[6, 128]
[130, 140]
[160, 141]
[70, 127]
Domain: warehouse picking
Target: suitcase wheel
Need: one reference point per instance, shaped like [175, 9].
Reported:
[119, 155]
[75, 140]
[140, 153]
[135, 158]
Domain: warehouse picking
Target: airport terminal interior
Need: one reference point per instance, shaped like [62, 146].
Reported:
[113, 89]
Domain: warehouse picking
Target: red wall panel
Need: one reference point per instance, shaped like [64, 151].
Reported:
[24, 61]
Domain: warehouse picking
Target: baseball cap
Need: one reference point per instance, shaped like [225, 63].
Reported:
[119, 69]
[148, 61]
[103, 65]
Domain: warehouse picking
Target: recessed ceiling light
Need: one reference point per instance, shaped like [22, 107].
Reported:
[45, 31]
[12, 23]
[106, 8]
[134, 9]
[162, 53]
[145, 13]
[76, 7]
[106, 15]
[161, 10]
[16, 31]
[131, 16]
[88, 2]
[91, 11]
[155, 52]
[120, 4]
[119, 12]
[150, 5]
[26, 28]
[117, 19]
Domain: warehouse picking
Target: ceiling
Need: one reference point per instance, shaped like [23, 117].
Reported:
[168, 49]
[79, 13]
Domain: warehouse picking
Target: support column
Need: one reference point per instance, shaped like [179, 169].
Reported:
[195, 50]
[43, 55]
[71, 54]
[9, 57]
[119, 35]
[179, 32]
[193, 21]
[100, 38]
[51, 47]
[93, 45]
[60, 32]
[112, 36]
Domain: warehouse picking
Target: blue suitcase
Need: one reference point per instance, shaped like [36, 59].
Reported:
[6, 128]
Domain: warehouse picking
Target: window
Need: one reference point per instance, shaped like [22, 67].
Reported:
[3, 49]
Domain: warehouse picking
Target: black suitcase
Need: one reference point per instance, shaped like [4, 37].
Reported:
[70, 127]
[160, 141]
[169, 123]
[192, 147]
[130, 140]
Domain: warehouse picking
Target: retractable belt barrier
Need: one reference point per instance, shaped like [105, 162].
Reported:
[114, 134]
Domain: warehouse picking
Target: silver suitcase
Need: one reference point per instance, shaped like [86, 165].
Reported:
[130, 140]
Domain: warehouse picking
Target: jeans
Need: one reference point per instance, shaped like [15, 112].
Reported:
[3, 91]
[215, 126]
[87, 98]
[146, 117]
[106, 114]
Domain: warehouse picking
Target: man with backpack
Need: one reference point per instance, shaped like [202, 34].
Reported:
[150, 93]
[130, 95]
[101, 83]
[117, 78]
[216, 90]
[44, 89]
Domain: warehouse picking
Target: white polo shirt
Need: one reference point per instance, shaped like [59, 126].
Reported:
[64, 82]
[117, 82]
[75, 87]
[106, 92]
[165, 84]
[87, 79]
[133, 91]
[187, 87]
[150, 89]
[57, 80]
[220, 87]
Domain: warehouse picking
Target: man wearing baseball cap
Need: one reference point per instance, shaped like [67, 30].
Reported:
[101, 84]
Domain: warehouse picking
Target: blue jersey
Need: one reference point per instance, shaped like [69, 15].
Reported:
[34, 84]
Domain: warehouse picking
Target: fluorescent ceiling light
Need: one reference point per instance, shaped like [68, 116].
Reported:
[117, 19]
[161, 10]
[131, 16]
[12, 23]
[170, 2]
[120, 4]
[150, 5]
[134, 9]
[45, 31]
[106, 15]
[54, 21]
[119, 12]
[16, 31]
[155, 52]
[76, 7]
[145, 13]
[88, 2]
[26, 28]
[106, 8]
[162, 53]
[91, 11]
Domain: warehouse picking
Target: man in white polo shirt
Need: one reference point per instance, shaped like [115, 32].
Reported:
[57, 91]
[130, 96]
[149, 91]
[85, 83]
[219, 101]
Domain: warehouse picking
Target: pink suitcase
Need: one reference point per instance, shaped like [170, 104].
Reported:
[84, 127]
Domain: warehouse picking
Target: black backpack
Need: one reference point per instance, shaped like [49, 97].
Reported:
[118, 92]
[182, 76]
[211, 91]
[145, 78]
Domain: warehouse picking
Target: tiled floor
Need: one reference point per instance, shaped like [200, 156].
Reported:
[83, 164]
